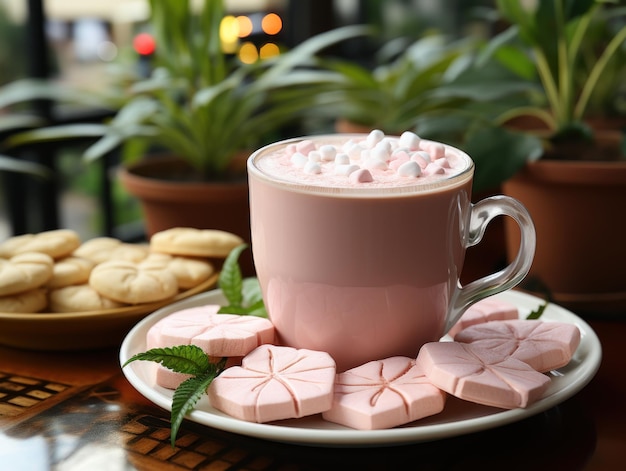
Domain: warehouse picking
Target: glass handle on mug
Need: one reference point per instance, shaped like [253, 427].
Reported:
[481, 214]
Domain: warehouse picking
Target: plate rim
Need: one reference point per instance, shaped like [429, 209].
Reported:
[339, 436]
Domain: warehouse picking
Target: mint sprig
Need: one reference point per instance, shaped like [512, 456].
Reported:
[188, 359]
[243, 295]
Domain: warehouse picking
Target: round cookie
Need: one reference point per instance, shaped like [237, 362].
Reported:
[56, 243]
[24, 272]
[192, 242]
[79, 298]
[131, 283]
[189, 272]
[70, 270]
[33, 300]
[102, 249]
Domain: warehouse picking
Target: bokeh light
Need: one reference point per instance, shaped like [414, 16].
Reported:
[269, 50]
[271, 24]
[245, 26]
[229, 34]
[248, 53]
[144, 44]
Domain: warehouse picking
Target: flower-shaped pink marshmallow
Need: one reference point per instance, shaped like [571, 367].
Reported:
[275, 383]
[218, 335]
[543, 345]
[482, 376]
[485, 310]
[383, 394]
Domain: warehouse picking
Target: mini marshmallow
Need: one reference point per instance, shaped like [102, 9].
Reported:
[434, 169]
[443, 162]
[375, 163]
[342, 159]
[290, 149]
[361, 176]
[354, 151]
[397, 163]
[315, 156]
[410, 140]
[410, 169]
[312, 168]
[380, 153]
[435, 149]
[399, 154]
[346, 169]
[327, 152]
[421, 157]
[299, 159]
[305, 146]
[374, 137]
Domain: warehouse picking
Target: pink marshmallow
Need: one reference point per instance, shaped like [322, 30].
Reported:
[485, 310]
[544, 346]
[275, 383]
[218, 335]
[305, 146]
[361, 176]
[383, 394]
[482, 376]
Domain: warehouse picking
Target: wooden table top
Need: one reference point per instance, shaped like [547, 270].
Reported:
[70, 411]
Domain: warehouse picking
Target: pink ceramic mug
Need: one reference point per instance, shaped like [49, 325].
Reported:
[362, 269]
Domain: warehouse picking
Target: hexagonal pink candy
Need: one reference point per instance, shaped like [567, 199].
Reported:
[383, 394]
[219, 335]
[543, 345]
[485, 310]
[275, 383]
[482, 376]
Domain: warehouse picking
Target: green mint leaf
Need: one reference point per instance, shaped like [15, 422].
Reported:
[188, 359]
[188, 394]
[251, 291]
[230, 280]
[536, 314]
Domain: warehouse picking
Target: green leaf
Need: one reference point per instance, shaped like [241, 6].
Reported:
[188, 359]
[230, 279]
[536, 314]
[188, 394]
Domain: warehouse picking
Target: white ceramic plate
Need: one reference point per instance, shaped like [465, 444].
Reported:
[458, 418]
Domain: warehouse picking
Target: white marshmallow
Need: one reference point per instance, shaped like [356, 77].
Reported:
[315, 156]
[354, 152]
[421, 157]
[342, 159]
[410, 139]
[299, 159]
[410, 169]
[305, 146]
[374, 162]
[443, 162]
[312, 168]
[361, 176]
[328, 152]
[435, 149]
[374, 137]
[346, 169]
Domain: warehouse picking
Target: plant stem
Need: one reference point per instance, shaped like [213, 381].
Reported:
[549, 85]
[597, 70]
[564, 67]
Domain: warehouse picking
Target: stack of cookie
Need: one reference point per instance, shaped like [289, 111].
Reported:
[54, 271]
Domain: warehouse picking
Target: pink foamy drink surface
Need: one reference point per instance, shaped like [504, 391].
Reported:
[364, 161]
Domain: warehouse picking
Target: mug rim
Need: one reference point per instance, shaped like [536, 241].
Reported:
[352, 191]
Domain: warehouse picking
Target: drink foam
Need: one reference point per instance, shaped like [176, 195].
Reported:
[362, 161]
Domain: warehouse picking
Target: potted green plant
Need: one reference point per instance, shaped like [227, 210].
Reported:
[203, 111]
[576, 189]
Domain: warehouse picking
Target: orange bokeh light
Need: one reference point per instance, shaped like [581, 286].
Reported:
[271, 24]
[245, 26]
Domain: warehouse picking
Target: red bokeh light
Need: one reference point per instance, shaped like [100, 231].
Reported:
[144, 44]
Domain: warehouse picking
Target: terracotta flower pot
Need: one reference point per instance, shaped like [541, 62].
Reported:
[579, 211]
[202, 205]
